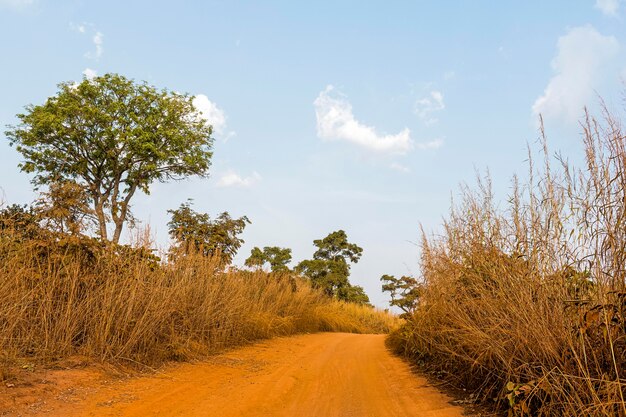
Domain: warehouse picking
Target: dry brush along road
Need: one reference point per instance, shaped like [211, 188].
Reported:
[318, 375]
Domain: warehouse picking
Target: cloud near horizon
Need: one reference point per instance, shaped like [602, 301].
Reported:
[335, 121]
[584, 57]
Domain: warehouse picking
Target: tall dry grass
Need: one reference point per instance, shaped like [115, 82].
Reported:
[62, 296]
[524, 303]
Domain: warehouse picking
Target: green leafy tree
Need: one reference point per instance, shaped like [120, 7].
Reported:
[330, 267]
[353, 294]
[256, 259]
[278, 258]
[404, 291]
[196, 233]
[113, 137]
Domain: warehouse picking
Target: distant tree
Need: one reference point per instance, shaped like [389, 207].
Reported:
[113, 137]
[278, 258]
[353, 294]
[330, 267]
[196, 232]
[256, 258]
[404, 291]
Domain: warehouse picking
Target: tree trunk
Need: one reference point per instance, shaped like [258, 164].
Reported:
[119, 220]
[118, 230]
[102, 222]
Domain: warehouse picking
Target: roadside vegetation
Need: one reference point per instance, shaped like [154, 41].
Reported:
[523, 302]
[68, 286]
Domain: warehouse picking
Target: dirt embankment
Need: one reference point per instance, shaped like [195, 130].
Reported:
[331, 374]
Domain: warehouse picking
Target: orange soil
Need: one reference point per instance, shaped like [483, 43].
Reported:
[319, 375]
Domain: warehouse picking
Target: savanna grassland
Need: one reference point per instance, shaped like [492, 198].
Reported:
[523, 302]
[70, 286]
[62, 296]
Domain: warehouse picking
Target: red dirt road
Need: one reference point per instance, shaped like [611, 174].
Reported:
[319, 375]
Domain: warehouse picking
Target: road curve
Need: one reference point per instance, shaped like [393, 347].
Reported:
[318, 375]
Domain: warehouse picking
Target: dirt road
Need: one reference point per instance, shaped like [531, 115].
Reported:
[320, 375]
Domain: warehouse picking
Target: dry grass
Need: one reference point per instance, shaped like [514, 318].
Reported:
[68, 296]
[526, 305]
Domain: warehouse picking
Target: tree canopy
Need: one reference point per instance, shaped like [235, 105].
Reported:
[196, 233]
[278, 258]
[404, 291]
[330, 267]
[113, 137]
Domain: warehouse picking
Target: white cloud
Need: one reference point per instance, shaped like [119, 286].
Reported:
[16, 4]
[425, 107]
[608, 7]
[399, 167]
[90, 73]
[335, 121]
[97, 38]
[232, 179]
[433, 144]
[580, 65]
[98, 41]
[212, 114]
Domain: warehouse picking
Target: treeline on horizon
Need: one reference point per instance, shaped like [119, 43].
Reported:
[67, 284]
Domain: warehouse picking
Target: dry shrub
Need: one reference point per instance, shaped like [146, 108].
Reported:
[526, 305]
[62, 296]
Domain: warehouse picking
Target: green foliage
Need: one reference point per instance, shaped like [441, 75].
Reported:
[112, 136]
[404, 291]
[330, 267]
[353, 294]
[256, 258]
[195, 232]
[335, 247]
[328, 275]
[278, 258]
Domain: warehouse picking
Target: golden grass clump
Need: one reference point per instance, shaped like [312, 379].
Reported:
[64, 295]
[526, 305]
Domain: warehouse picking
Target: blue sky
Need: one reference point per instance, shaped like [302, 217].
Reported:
[362, 116]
